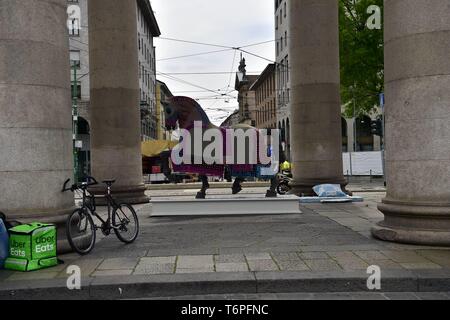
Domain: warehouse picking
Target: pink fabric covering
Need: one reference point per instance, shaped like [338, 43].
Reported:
[215, 170]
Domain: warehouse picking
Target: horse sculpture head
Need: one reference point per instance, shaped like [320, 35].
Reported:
[184, 111]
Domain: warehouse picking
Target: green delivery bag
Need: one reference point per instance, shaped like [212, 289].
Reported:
[32, 247]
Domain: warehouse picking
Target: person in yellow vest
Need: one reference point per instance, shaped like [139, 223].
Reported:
[285, 167]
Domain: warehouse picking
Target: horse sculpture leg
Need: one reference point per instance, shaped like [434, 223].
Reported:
[237, 187]
[272, 192]
[205, 186]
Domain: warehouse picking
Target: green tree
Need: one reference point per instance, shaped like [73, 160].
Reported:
[362, 57]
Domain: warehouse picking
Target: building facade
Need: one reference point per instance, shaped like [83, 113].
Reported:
[265, 94]
[283, 84]
[163, 93]
[147, 29]
[78, 29]
[232, 120]
[356, 133]
[246, 97]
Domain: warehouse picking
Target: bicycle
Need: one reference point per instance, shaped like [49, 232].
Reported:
[80, 227]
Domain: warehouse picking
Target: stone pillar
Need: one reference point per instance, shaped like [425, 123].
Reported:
[35, 111]
[417, 75]
[114, 109]
[315, 81]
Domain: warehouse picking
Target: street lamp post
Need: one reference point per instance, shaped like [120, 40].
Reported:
[75, 121]
[355, 132]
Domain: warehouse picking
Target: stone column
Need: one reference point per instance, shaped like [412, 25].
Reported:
[114, 109]
[35, 111]
[417, 74]
[315, 80]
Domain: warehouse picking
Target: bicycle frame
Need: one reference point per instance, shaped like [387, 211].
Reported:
[111, 205]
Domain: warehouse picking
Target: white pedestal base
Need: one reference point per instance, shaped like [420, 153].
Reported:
[225, 205]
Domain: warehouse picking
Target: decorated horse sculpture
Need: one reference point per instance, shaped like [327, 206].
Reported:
[250, 158]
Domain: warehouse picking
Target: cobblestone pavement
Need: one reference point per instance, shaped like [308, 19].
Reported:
[332, 237]
[323, 238]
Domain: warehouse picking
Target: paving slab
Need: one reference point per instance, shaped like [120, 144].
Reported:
[314, 255]
[118, 264]
[323, 265]
[262, 265]
[195, 262]
[155, 266]
[109, 273]
[258, 256]
[292, 265]
[232, 267]
[285, 256]
[229, 258]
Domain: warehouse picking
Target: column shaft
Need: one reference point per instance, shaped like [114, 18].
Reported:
[115, 98]
[315, 80]
[35, 111]
[417, 73]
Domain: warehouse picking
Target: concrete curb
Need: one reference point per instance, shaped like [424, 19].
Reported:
[133, 287]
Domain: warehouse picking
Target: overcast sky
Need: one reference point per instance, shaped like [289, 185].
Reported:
[230, 23]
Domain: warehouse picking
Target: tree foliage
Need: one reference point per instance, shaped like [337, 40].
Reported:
[362, 57]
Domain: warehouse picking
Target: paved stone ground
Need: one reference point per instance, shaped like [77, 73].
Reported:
[324, 238]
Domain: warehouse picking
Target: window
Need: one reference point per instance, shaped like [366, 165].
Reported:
[287, 68]
[76, 94]
[75, 59]
[74, 27]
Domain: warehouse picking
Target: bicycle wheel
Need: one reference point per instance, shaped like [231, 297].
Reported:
[125, 223]
[80, 231]
[283, 188]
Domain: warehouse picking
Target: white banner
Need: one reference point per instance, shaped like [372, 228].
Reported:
[363, 163]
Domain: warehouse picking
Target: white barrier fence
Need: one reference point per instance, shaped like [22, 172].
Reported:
[363, 163]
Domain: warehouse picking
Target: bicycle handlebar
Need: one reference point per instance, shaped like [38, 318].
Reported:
[79, 186]
[93, 179]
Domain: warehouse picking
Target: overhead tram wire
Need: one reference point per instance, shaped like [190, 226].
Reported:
[209, 73]
[195, 42]
[190, 83]
[228, 47]
[257, 44]
[231, 74]
[193, 55]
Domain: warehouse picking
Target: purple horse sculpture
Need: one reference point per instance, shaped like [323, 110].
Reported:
[188, 115]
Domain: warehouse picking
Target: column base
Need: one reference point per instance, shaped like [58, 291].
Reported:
[418, 224]
[126, 194]
[56, 217]
[304, 188]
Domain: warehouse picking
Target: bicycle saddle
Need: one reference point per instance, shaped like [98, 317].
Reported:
[109, 182]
